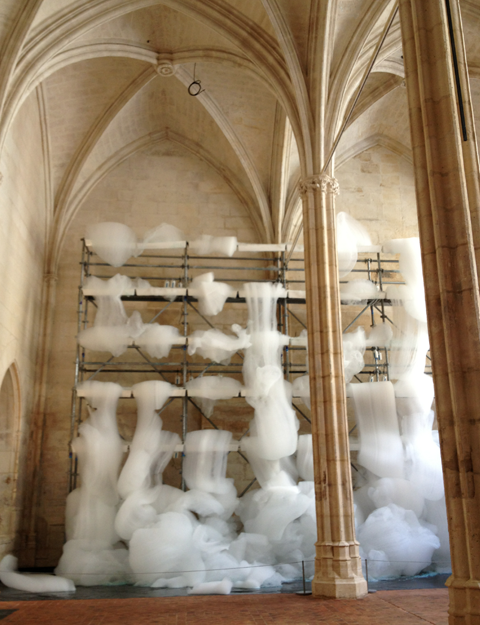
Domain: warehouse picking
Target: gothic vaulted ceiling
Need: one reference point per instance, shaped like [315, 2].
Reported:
[277, 78]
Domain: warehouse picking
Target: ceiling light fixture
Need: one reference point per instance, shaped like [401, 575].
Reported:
[195, 87]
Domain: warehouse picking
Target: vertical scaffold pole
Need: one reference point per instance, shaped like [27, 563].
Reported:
[285, 316]
[73, 419]
[382, 307]
[185, 362]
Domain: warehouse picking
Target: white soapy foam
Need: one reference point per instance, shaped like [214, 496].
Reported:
[381, 449]
[211, 295]
[353, 351]
[305, 457]
[116, 286]
[181, 539]
[213, 387]
[398, 491]
[260, 576]
[437, 516]
[206, 244]
[358, 291]
[166, 496]
[165, 555]
[199, 502]
[380, 336]
[205, 462]
[414, 397]
[115, 243]
[301, 388]
[363, 504]
[112, 329]
[286, 517]
[212, 588]
[143, 287]
[110, 310]
[278, 511]
[350, 234]
[149, 441]
[407, 544]
[136, 512]
[410, 264]
[31, 582]
[269, 473]
[90, 556]
[157, 339]
[216, 345]
[275, 421]
[410, 342]
[164, 233]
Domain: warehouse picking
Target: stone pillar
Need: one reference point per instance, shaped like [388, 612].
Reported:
[338, 571]
[447, 202]
[469, 147]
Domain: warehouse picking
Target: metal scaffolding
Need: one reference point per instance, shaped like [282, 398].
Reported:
[170, 273]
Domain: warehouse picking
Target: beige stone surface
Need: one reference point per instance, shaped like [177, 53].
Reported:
[377, 188]
[23, 224]
[448, 207]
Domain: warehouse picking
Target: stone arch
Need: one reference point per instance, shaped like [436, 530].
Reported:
[10, 416]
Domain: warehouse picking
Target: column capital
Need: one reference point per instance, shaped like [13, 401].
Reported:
[319, 182]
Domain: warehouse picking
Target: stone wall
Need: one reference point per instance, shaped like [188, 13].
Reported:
[377, 187]
[23, 220]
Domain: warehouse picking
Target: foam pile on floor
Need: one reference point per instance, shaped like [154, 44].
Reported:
[32, 582]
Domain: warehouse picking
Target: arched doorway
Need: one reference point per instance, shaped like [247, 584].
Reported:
[9, 439]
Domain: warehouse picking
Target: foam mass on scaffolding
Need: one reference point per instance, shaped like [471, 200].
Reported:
[124, 525]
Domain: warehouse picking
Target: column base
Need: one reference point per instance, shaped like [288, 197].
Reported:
[464, 601]
[355, 588]
[338, 571]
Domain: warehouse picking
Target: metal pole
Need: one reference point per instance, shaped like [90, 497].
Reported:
[305, 592]
[185, 363]
[73, 418]
[285, 316]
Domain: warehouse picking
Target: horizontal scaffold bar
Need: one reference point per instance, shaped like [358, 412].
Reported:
[235, 446]
[168, 293]
[241, 247]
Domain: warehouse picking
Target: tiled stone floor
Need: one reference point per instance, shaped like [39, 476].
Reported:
[391, 607]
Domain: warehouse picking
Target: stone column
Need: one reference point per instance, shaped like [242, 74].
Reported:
[447, 200]
[469, 147]
[338, 571]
